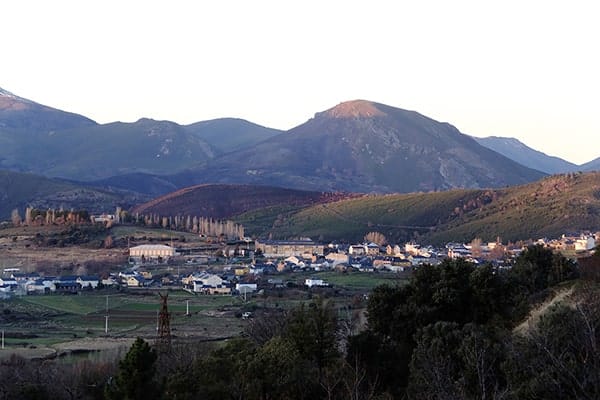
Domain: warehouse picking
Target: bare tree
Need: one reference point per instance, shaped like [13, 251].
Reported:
[15, 217]
[376, 237]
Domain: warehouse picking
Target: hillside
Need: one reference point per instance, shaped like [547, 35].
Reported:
[231, 134]
[517, 151]
[19, 113]
[550, 207]
[19, 190]
[361, 146]
[100, 151]
[224, 201]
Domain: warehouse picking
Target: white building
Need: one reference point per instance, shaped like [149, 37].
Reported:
[151, 252]
[310, 282]
[585, 243]
[246, 287]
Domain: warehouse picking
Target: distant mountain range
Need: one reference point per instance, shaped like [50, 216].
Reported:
[42, 140]
[521, 153]
[593, 165]
[356, 146]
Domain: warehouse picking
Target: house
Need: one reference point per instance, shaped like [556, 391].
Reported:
[71, 287]
[241, 271]
[139, 281]
[391, 251]
[287, 248]
[36, 286]
[246, 287]
[372, 249]
[584, 243]
[103, 218]
[110, 281]
[357, 250]
[210, 284]
[90, 282]
[24, 277]
[310, 282]
[8, 282]
[337, 258]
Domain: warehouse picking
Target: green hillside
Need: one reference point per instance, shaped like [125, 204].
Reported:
[550, 207]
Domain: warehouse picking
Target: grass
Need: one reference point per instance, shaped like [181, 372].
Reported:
[80, 305]
[125, 231]
[361, 280]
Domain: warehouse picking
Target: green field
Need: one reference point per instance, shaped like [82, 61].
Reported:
[48, 321]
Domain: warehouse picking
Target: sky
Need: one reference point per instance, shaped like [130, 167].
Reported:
[526, 69]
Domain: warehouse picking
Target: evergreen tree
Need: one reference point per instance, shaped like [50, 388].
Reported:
[135, 379]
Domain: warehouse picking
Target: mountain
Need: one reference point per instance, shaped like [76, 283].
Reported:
[230, 134]
[517, 151]
[357, 146]
[42, 140]
[550, 207]
[224, 201]
[593, 165]
[19, 190]
[361, 146]
[100, 151]
[19, 113]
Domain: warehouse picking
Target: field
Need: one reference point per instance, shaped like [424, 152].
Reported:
[52, 321]
[46, 325]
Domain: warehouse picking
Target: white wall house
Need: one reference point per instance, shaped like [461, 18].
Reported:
[151, 252]
[315, 282]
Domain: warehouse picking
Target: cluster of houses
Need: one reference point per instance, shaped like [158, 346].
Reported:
[33, 283]
[279, 257]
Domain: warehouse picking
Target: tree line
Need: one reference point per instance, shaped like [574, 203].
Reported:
[188, 223]
[50, 216]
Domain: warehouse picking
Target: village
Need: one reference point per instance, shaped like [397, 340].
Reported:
[243, 266]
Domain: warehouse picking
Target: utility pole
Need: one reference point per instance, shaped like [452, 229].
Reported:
[2, 338]
[106, 317]
[187, 307]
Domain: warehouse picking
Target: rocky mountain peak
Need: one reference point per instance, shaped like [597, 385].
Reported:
[355, 109]
[10, 101]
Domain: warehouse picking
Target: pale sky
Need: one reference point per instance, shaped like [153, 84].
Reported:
[526, 69]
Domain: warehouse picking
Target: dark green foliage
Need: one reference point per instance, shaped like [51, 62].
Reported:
[559, 359]
[135, 379]
[450, 362]
[278, 370]
[538, 268]
[455, 291]
[312, 331]
[289, 365]
[449, 320]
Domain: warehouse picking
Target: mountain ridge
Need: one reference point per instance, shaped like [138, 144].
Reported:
[525, 155]
[362, 147]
